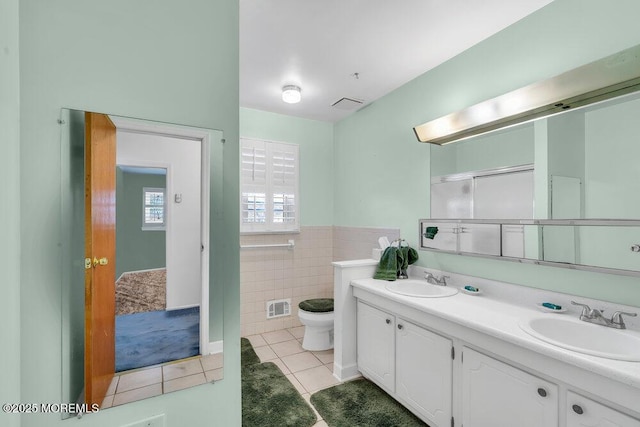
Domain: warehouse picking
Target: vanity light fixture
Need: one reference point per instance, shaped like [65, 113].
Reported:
[606, 78]
[291, 94]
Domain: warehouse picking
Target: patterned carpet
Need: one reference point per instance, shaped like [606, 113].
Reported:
[140, 292]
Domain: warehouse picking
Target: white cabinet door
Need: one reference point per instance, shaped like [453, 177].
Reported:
[376, 345]
[583, 412]
[495, 394]
[424, 372]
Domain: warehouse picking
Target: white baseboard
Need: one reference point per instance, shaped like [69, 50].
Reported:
[140, 271]
[346, 373]
[215, 347]
[182, 307]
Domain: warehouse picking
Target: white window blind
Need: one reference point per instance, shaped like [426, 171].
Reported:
[153, 208]
[269, 186]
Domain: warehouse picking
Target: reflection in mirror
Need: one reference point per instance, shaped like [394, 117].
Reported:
[598, 246]
[582, 166]
[584, 161]
[141, 316]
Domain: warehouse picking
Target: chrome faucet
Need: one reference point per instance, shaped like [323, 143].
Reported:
[593, 315]
[442, 281]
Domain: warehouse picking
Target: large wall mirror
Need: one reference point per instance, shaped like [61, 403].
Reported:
[562, 189]
[142, 309]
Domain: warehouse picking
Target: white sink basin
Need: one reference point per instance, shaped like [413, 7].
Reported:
[586, 338]
[420, 289]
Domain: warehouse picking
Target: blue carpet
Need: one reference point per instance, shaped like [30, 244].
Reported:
[153, 337]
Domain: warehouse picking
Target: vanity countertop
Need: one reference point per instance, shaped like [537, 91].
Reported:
[500, 319]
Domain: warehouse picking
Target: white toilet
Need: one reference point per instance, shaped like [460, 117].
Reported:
[317, 317]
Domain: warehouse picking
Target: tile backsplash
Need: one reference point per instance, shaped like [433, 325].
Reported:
[300, 273]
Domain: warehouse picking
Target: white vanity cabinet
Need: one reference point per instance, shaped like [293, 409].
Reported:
[376, 345]
[411, 363]
[498, 395]
[424, 369]
[583, 412]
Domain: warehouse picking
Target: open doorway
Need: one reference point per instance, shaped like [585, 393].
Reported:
[146, 332]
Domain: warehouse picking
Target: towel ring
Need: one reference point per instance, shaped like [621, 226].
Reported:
[399, 241]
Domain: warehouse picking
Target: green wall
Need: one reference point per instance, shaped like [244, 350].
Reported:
[10, 208]
[158, 60]
[137, 249]
[316, 157]
[382, 172]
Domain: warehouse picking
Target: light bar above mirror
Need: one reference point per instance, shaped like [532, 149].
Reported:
[597, 81]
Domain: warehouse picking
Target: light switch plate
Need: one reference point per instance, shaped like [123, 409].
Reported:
[155, 421]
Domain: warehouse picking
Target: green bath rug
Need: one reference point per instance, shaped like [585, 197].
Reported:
[248, 355]
[268, 397]
[360, 403]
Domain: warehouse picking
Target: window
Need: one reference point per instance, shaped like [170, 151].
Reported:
[153, 209]
[269, 187]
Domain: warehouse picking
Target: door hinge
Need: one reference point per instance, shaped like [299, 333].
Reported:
[453, 353]
[87, 263]
[462, 357]
[452, 422]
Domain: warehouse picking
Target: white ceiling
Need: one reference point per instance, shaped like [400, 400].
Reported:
[319, 45]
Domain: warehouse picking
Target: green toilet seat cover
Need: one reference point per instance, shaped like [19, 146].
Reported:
[317, 305]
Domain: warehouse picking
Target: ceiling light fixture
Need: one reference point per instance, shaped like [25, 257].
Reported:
[291, 94]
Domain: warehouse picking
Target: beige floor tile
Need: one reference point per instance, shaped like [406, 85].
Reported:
[265, 353]
[137, 394]
[139, 379]
[181, 369]
[184, 382]
[214, 375]
[256, 341]
[315, 379]
[321, 423]
[330, 366]
[212, 361]
[277, 336]
[281, 365]
[296, 383]
[324, 356]
[307, 397]
[301, 361]
[107, 402]
[287, 348]
[297, 332]
[113, 386]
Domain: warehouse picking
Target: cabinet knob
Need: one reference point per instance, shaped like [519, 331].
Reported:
[400, 326]
[388, 321]
[577, 409]
[542, 392]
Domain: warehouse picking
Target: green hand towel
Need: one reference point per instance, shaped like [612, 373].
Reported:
[431, 232]
[409, 256]
[388, 265]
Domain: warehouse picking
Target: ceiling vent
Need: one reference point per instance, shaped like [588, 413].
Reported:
[612, 76]
[348, 104]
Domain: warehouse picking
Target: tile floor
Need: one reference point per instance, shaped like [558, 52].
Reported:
[155, 380]
[308, 371]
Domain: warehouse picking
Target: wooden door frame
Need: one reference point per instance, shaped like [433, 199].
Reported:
[137, 126]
